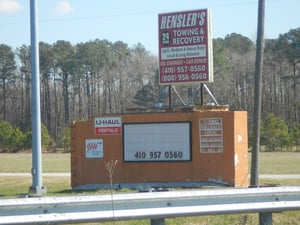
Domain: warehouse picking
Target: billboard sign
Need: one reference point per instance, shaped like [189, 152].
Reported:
[155, 142]
[108, 125]
[185, 47]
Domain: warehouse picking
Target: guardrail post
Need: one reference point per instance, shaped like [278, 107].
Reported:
[265, 218]
[158, 221]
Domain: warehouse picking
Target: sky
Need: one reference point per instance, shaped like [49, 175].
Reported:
[136, 21]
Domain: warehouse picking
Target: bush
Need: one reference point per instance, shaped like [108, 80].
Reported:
[18, 140]
[274, 133]
[295, 133]
[64, 138]
[6, 135]
[46, 139]
[14, 140]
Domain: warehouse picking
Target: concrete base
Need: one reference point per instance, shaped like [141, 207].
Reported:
[37, 191]
[150, 186]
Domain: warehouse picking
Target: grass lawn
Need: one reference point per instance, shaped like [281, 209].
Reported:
[270, 163]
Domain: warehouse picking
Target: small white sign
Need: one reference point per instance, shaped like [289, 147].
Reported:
[211, 135]
[94, 148]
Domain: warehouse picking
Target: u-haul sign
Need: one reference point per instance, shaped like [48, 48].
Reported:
[108, 125]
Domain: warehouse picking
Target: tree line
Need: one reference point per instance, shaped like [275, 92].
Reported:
[99, 77]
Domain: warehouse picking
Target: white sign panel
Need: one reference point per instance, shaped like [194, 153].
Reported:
[157, 142]
[94, 148]
[211, 135]
[108, 125]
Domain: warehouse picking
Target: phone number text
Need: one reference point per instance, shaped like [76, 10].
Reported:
[159, 156]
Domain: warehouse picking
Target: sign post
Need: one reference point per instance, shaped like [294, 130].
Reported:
[37, 187]
[185, 47]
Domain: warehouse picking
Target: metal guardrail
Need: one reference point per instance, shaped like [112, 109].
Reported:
[151, 205]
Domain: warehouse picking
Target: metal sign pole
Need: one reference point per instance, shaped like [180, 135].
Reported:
[170, 96]
[36, 171]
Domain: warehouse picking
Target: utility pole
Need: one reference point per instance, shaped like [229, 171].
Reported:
[36, 171]
[257, 94]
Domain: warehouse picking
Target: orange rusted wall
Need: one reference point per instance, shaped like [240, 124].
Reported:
[229, 166]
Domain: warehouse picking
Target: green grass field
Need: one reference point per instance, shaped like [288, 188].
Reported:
[21, 162]
[270, 163]
[279, 163]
